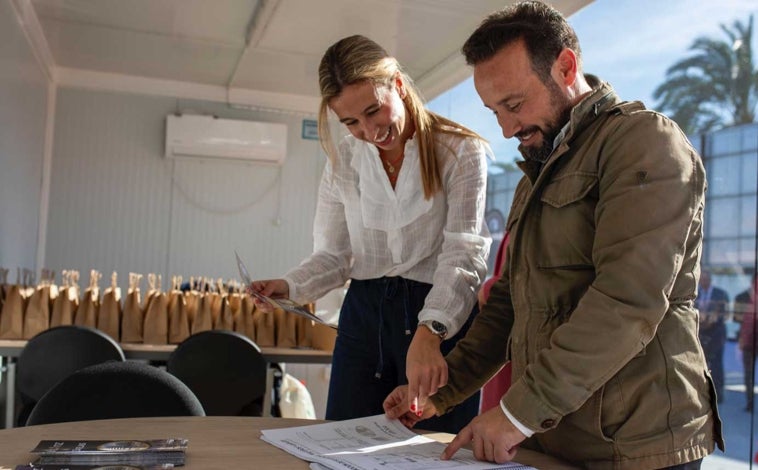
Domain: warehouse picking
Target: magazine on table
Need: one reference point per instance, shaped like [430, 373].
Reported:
[372, 443]
[148, 453]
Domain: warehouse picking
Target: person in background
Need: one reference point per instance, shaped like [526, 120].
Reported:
[744, 306]
[711, 302]
[596, 301]
[401, 213]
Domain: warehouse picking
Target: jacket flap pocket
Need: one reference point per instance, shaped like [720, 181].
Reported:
[568, 188]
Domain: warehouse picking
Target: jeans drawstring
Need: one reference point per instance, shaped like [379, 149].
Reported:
[390, 290]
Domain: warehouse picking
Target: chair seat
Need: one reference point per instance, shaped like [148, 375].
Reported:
[116, 390]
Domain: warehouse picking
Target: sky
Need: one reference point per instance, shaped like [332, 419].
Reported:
[628, 43]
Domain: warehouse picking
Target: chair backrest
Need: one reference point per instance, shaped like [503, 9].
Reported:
[58, 352]
[226, 370]
[113, 390]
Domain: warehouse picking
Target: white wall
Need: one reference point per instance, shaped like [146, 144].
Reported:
[117, 204]
[23, 110]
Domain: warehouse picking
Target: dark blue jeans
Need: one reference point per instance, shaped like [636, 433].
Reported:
[377, 322]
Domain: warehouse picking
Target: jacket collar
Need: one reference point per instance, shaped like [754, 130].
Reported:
[600, 99]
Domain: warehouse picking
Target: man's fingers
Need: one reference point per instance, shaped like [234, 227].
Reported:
[503, 455]
[463, 438]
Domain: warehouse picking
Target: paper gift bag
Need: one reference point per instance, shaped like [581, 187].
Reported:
[12, 315]
[178, 321]
[203, 319]
[156, 320]
[226, 318]
[133, 317]
[243, 322]
[192, 301]
[37, 315]
[3, 286]
[286, 328]
[216, 303]
[67, 301]
[109, 316]
[265, 329]
[89, 305]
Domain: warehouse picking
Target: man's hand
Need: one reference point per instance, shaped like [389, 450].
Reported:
[425, 368]
[396, 407]
[492, 436]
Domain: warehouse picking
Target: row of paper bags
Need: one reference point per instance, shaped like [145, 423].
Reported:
[159, 318]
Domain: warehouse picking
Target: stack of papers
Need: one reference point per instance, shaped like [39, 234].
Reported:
[371, 443]
[157, 453]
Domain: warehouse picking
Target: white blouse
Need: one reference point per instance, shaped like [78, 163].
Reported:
[364, 229]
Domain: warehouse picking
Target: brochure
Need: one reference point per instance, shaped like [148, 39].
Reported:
[285, 304]
[372, 443]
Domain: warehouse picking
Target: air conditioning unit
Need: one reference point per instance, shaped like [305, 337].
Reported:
[210, 137]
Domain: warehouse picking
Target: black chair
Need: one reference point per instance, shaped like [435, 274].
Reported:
[226, 370]
[115, 390]
[54, 354]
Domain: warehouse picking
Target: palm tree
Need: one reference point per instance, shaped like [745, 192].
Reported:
[716, 87]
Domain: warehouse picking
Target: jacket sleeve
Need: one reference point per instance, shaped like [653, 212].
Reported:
[481, 353]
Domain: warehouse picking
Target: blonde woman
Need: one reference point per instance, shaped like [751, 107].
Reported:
[400, 213]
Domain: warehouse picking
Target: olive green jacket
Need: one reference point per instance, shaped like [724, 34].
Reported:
[597, 297]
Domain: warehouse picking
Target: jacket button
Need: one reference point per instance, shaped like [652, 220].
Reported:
[548, 423]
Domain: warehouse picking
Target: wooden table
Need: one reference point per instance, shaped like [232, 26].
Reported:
[11, 349]
[214, 442]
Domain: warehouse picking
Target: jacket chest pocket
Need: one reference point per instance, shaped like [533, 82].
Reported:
[566, 227]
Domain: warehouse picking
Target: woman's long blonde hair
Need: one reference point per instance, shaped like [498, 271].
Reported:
[357, 58]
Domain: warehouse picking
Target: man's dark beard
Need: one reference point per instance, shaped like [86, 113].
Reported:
[541, 153]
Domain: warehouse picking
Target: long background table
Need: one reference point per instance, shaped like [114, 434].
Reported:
[11, 349]
[214, 442]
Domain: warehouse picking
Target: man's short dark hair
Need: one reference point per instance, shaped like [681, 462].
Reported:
[543, 29]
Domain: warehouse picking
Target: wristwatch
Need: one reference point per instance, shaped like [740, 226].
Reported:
[435, 327]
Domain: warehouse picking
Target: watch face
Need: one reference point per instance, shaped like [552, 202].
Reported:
[439, 328]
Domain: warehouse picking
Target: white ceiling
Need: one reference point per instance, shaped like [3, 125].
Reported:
[252, 49]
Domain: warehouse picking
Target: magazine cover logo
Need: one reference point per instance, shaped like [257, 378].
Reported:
[124, 446]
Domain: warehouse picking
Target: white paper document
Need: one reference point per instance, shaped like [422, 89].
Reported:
[372, 443]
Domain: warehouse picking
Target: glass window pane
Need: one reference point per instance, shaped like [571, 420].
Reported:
[748, 218]
[726, 141]
[724, 175]
[750, 171]
[720, 216]
[747, 252]
[750, 137]
[723, 253]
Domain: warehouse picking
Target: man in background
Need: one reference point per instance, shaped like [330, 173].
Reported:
[712, 302]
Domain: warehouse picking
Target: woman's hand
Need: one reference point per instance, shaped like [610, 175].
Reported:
[396, 407]
[274, 288]
[425, 368]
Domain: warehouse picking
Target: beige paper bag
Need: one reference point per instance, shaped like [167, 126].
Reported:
[37, 315]
[109, 316]
[178, 322]
[286, 329]
[226, 318]
[156, 320]
[12, 315]
[133, 317]
[265, 328]
[203, 318]
[67, 301]
[243, 322]
[89, 306]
